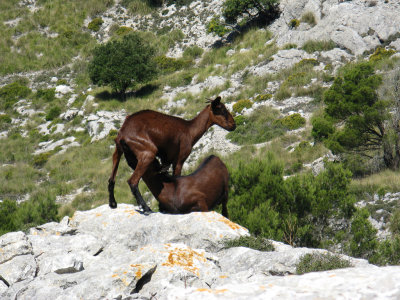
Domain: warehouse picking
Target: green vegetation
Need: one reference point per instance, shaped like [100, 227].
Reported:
[282, 209]
[292, 122]
[242, 104]
[260, 126]
[215, 26]
[294, 23]
[122, 64]
[317, 262]
[381, 53]
[234, 9]
[11, 93]
[192, 52]
[256, 243]
[262, 97]
[309, 17]
[353, 100]
[95, 24]
[312, 46]
[169, 64]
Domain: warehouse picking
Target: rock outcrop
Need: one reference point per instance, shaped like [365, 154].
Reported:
[122, 254]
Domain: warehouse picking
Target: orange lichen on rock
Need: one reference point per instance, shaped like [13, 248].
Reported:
[138, 273]
[131, 212]
[98, 215]
[221, 291]
[185, 258]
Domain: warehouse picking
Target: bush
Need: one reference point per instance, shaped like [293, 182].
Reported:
[193, 52]
[40, 159]
[322, 128]
[62, 81]
[216, 27]
[53, 113]
[317, 262]
[307, 62]
[241, 104]
[256, 243]
[312, 46]
[47, 95]
[262, 97]
[240, 120]
[122, 30]
[95, 24]
[309, 18]
[289, 46]
[11, 93]
[123, 63]
[381, 53]
[170, 64]
[294, 23]
[5, 120]
[265, 10]
[293, 121]
[394, 224]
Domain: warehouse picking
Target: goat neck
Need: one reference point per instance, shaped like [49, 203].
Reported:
[200, 124]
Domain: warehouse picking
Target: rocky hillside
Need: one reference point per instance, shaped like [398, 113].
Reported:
[56, 143]
[121, 254]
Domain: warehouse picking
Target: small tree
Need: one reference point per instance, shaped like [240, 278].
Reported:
[123, 63]
[250, 9]
[366, 126]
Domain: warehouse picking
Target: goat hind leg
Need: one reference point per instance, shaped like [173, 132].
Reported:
[111, 181]
[143, 162]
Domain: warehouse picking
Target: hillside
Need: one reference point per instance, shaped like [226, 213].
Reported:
[291, 179]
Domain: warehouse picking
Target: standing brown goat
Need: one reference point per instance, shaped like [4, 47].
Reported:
[202, 190]
[149, 134]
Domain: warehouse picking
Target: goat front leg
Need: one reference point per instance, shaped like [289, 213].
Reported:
[143, 163]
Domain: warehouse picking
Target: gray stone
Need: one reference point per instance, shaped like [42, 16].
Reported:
[14, 244]
[20, 268]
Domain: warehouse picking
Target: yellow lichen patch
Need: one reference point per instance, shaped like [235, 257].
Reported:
[262, 287]
[98, 215]
[185, 258]
[114, 276]
[138, 273]
[232, 225]
[223, 276]
[221, 291]
[58, 233]
[104, 224]
[333, 275]
[131, 212]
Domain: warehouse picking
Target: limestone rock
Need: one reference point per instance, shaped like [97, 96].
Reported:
[14, 244]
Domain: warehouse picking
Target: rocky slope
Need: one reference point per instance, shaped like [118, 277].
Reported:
[122, 254]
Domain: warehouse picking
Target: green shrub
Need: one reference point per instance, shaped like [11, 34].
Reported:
[262, 97]
[381, 53]
[122, 30]
[322, 128]
[293, 121]
[294, 23]
[216, 27]
[258, 127]
[240, 120]
[241, 104]
[252, 242]
[62, 81]
[307, 62]
[363, 242]
[312, 46]
[5, 120]
[53, 113]
[170, 64]
[283, 92]
[11, 93]
[193, 52]
[289, 46]
[40, 159]
[95, 24]
[47, 95]
[308, 17]
[317, 262]
[388, 252]
[394, 224]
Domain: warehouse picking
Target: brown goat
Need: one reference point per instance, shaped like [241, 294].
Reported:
[149, 134]
[202, 190]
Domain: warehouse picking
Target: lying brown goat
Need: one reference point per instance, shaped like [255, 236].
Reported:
[202, 190]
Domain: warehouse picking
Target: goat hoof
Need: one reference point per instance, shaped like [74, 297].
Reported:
[147, 212]
[113, 204]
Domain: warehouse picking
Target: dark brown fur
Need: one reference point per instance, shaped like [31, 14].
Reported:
[148, 134]
[202, 190]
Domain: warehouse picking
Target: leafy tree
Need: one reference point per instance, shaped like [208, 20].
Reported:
[250, 9]
[123, 63]
[368, 127]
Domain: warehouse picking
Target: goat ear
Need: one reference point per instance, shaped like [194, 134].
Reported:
[215, 102]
